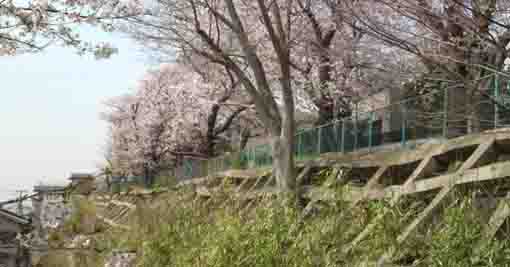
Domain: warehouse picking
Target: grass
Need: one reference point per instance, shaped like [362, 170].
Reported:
[195, 234]
[178, 229]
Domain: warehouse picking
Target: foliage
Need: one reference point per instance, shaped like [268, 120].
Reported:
[454, 242]
[180, 231]
[30, 26]
[174, 112]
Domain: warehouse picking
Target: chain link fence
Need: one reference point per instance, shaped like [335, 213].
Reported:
[442, 111]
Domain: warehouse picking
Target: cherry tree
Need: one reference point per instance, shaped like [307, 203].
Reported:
[175, 112]
[30, 26]
[457, 41]
[339, 65]
[152, 123]
[315, 48]
[122, 115]
[228, 105]
[252, 39]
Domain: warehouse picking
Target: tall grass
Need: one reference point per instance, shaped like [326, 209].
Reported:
[183, 231]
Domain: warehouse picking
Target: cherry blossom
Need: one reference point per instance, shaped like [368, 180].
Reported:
[174, 112]
[30, 26]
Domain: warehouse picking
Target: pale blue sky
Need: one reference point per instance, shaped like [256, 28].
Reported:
[49, 110]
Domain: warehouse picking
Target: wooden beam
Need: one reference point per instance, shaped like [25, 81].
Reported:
[475, 157]
[122, 203]
[498, 218]
[485, 173]
[257, 183]
[372, 182]
[269, 181]
[112, 223]
[240, 187]
[301, 177]
[426, 165]
[250, 190]
[121, 214]
[235, 192]
[370, 159]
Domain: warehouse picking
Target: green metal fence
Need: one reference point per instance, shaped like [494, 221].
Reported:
[435, 113]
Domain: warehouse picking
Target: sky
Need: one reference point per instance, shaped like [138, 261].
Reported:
[49, 110]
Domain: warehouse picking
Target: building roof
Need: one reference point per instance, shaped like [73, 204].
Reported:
[11, 216]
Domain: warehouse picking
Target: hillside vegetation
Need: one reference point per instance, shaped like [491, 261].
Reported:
[177, 228]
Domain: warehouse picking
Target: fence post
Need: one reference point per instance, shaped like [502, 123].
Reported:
[254, 156]
[356, 128]
[370, 125]
[335, 130]
[299, 142]
[496, 104]
[343, 136]
[251, 156]
[319, 132]
[445, 112]
[188, 168]
[404, 124]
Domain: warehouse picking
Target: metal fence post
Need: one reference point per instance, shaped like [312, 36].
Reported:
[343, 136]
[319, 132]
[300, 144]
[356, 128]
[496, 96]
[188, 168]
[370, 125]
[404, 124]
[445, 112]
[251, 155]
[335, 130]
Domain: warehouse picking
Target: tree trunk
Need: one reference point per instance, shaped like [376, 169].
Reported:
[283, 147]
[283, 164]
